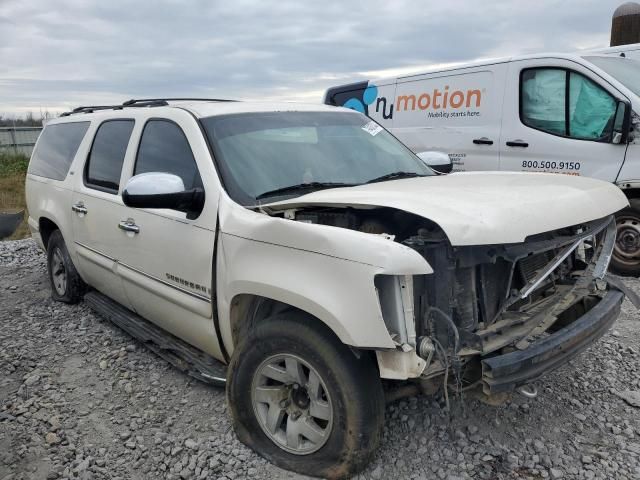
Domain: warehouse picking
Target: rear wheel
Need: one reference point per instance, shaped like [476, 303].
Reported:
[626, 253]
[303, 400]
[66, 284]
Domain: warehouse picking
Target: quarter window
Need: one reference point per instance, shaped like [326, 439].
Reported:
[104, 164]
[165, 148]
[57, 146]
[566, 103]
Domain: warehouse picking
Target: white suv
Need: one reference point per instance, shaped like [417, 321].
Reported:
[300, 254]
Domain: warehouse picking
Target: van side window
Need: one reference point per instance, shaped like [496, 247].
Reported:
[165, 148]
[543, 100]
[57, 146]
[566, 103]
[592, 110]
[104, 164]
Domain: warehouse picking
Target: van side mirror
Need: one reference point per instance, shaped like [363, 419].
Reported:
[622, 123]
[438, 161]
[163, 190]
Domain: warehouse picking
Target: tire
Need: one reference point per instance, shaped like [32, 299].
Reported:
[626, 253]
[66, 284]
[349, 391]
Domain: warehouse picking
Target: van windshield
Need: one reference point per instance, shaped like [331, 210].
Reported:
[270, 156]
[625, 70]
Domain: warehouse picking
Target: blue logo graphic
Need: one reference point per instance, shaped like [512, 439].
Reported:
[369, 96]
[354, 104]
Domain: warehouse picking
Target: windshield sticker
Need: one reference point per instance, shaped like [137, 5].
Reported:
[372, 128]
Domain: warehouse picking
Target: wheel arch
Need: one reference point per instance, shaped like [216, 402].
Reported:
[47, 227]
[249, 309]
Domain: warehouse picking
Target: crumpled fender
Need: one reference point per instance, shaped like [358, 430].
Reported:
[323, 270]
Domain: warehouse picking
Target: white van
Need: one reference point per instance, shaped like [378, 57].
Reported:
[627, 51]
[574, 114]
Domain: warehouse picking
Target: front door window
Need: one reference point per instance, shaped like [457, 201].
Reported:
[566, 103]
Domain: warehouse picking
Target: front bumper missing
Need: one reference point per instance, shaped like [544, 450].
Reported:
[504, 373]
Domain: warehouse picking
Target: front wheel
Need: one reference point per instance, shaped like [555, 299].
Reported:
[303, 400]
[626, 253]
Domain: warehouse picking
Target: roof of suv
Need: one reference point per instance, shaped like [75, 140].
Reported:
[200, 108]
[209, 109]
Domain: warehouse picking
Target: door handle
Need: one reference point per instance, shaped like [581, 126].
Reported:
[79, 208]
[517, 143]
[483, 141]
[129, 226]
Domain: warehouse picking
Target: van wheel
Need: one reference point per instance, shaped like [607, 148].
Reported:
[66, 284]
[301, 399]
[626, 253]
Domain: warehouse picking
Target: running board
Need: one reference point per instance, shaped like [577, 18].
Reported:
[178, 353]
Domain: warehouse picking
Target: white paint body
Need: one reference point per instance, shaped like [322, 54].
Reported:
[474, 131]
[326, 271]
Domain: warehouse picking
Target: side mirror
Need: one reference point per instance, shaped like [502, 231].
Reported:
[622, 123]
[438, 161]
[163, 190]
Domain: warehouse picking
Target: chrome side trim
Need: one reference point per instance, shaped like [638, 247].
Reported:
[96, 251]
[159, 280]
[175, 287]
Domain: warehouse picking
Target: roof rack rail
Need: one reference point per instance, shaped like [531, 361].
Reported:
[91, 108]
[141, 102]
[164, 101]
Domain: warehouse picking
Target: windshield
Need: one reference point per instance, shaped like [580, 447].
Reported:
[259, 155]
[625, 70]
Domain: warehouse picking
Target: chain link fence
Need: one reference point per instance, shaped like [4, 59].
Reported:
[18, 139]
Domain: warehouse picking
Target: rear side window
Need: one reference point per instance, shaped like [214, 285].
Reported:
[104, 164]
[164, 148]
[57, 146]
[566, 103]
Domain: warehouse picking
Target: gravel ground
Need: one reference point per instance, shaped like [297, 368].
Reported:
[81, 399]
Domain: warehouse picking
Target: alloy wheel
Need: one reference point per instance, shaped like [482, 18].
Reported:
[292, 404]
[58, 273]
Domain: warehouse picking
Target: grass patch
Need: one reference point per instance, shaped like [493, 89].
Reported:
[11, 164]
[13, 171]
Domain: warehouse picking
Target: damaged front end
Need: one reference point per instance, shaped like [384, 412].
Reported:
[498, 315]
[503, 315]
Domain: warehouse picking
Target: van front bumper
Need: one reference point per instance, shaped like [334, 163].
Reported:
[504, 373]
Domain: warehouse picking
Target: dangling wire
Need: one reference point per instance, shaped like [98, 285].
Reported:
[446, 370]
[456, 364]
[450, 325]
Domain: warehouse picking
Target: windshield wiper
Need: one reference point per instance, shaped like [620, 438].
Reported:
[395, 175]
[302, 187]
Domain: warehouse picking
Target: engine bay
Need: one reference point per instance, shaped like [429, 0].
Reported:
[495, 295]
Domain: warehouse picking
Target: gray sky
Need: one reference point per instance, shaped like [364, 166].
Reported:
[57, 54]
